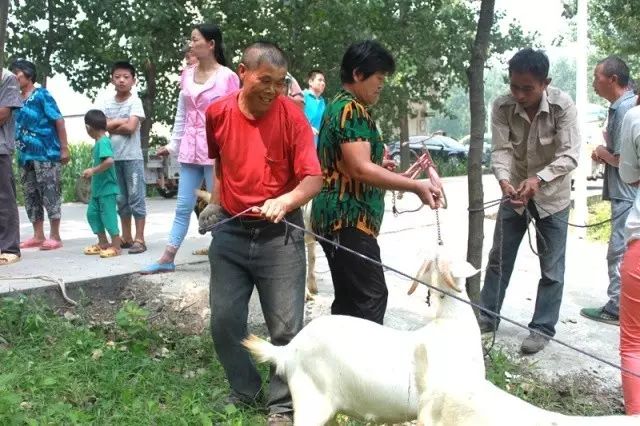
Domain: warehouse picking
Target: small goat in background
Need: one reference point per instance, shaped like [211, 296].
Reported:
[342, 364]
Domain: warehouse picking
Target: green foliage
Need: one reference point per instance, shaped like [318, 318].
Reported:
[568, 395]
[55, 371]
[80, 159]
[431, 41]
[450, 168]
[133, 320]
[68, 371]
[29, 37]
[599, 212]
[613, 26]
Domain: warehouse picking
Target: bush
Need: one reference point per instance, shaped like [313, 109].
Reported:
[80, 159]
[599, 212]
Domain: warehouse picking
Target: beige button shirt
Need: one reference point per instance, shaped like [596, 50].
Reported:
[547, 147]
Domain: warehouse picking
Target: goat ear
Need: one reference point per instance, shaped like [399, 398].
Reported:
[463, 270]
[420, 275]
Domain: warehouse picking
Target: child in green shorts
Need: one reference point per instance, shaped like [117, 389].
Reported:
[102, 210]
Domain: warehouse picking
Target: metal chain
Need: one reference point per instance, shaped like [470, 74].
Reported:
[440, 242]
[393, 204]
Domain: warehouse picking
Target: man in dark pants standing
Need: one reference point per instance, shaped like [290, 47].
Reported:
[350, 207]
[266, 162]
[536, 145]
[9, 218]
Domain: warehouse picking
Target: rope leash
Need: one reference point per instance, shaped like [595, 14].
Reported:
[48, 278]
[431, 287]
[460, 299]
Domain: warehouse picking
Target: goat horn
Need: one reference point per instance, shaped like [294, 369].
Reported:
[423, 269]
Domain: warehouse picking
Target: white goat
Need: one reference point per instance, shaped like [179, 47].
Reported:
[459, 401]
[452, 393]
[362, 369]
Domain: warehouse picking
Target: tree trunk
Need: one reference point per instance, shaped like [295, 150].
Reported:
[48, 50]
[4, 13]
[404, 137]
[148, 99]
[478, 119]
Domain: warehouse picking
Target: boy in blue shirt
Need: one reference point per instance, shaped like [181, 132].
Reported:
[314, 103]
[102, 210]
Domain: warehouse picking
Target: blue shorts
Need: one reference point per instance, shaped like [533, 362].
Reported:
[130, 175]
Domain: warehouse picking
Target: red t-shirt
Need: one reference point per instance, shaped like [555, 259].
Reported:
[259, 159]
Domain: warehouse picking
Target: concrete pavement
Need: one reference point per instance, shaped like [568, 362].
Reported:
[405, 241]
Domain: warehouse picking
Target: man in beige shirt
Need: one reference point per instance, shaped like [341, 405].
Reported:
[535, 146]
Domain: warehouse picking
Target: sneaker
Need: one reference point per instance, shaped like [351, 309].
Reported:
[280, 419]
[534, 343]
[487, 326]
[599, 314]
[242, 402]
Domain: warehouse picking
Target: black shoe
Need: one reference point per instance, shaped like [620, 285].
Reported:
[242, 401]
[534, 343]
[487, 326]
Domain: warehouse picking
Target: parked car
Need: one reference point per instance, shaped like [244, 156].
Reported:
[486, 147]
[440, 147]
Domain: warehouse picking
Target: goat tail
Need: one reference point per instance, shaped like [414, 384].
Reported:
[264, 351]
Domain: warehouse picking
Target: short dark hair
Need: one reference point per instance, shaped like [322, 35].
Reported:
[27, 68]
[530, 61]
[96, 119]
[312, 74]
[264, 51]
[123, 65]
[614, 65]
[366, 57]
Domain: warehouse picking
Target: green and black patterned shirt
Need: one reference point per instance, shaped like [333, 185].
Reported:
[344, 202]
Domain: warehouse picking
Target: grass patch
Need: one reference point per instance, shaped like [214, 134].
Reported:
[69, 370]
[65, 371]
[599, 212]
[576, 395]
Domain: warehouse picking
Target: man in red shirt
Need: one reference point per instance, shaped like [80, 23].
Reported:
[265, 161]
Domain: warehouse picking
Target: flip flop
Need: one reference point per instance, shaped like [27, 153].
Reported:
[8, 259]
[91, 250]
[138, 247]
[201, 251]
[50, 244]
[109, 252]
[31, 243]
[158, 268]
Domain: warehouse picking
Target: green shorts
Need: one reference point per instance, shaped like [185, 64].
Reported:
[102, 214]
